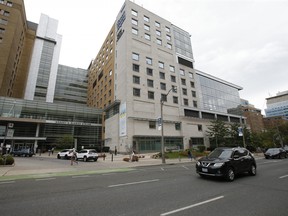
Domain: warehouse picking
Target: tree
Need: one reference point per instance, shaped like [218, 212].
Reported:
[66, 141]
[218, 131]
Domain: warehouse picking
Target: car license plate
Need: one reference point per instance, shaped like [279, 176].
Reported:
[204, 170]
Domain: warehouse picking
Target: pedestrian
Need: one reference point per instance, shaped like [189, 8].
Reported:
[74, 157]
[189, 155]
[115, 151]
[52, 150]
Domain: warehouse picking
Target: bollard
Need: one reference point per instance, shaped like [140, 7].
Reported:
[179, 158]
[112, 157]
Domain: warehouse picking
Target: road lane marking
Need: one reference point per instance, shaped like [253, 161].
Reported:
[185, 167]
[81, 176]
[285, 176]
[45, 179]
[162, 168]
[133, 183]
[192, 206]
[8, 182]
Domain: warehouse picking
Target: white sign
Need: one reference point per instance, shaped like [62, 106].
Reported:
[122, 120]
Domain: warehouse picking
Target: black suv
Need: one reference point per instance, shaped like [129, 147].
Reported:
[226, 162]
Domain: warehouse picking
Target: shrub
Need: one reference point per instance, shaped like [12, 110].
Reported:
[126, 159]
[6, 160]
[201, 148]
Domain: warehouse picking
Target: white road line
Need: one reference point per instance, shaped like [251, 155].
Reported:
[285, 176]
[192, 206]
[185, 167]
[133, 183]
[8, 182]
[162, 168]
[81, 176]
[45, 179]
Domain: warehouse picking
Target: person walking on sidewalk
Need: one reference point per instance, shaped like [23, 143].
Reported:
[73, 157]
[190, 156]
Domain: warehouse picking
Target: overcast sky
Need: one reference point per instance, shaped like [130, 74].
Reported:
[244, 42]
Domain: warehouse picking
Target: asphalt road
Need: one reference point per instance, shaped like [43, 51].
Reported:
[154, 190]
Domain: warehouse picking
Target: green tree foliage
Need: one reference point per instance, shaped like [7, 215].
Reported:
[218, 132]
[66, 141]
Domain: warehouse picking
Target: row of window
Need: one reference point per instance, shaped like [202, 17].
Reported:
[151, 95]
[3, 21]
[153, 124]
[149, 61]
[4, 13]
[147, 19]
[7, 3]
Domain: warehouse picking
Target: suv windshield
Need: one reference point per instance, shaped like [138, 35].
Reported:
[221, 153]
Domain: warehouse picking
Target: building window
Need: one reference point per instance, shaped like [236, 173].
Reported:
[163, 97]
[168, 37]
[158, 33]
[147, 37]
[134, 22]
[9, 4]
[173, 78]
[161, 65]
[149, 71]
[200, 128]
[193, 93]
[183, 81]
[192, 84]
[134, 31]
[167, 29]
[150, 83]
[182, 72]
[159, 41]
[163, 86]
[136, 79]
[134, 13]
[2, 30]
[157, 24]
[135, 67]
[3, 21]
[110, 73]
[152, 124]
[194, 103]
[190, 75]
[184, 91]
[172, 68]
[1, 39]
[169, 46]
[185, 101]
[162, 75]
[135, 56]
[136, 92]
[150, 95]
[177, 126]
[175, 100]
[148, 61]
[146, 19]
[147, 27]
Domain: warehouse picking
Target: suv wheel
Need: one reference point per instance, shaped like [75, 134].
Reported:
[230, 175]
[85, 159]
[252, 171]
[58, 156]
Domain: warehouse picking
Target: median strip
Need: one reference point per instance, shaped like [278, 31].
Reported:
[192, 206]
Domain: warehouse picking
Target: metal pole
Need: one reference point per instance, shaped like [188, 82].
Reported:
[162, 133]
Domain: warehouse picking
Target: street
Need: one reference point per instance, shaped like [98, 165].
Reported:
[152, 190]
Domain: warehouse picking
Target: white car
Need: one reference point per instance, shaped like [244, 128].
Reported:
[65, 153]
[87, 154]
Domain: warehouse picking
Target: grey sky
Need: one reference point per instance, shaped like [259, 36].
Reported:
[241, 41]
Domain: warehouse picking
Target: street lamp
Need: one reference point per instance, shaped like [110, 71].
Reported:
[162, 124]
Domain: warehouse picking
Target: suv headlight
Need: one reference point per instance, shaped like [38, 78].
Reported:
[198, 163]
[218, 164]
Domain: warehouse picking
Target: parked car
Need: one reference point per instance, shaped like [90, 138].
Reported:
[25, 152]
[286, 148]
[65, 153]
[226, 163]
[275, 153]
[87, 154]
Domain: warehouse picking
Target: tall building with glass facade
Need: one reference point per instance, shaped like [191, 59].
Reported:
[277, 106]
[141, 60]
[44, 64]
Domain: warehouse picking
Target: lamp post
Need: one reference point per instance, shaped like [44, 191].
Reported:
[162, 124]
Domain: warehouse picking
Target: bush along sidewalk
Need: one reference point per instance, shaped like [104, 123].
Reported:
[6, 159]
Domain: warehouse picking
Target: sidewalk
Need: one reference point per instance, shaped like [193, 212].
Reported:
[43, 165]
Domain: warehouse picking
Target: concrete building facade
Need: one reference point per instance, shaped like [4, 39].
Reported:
[148, 58]
[17, 37]
[277, 106]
